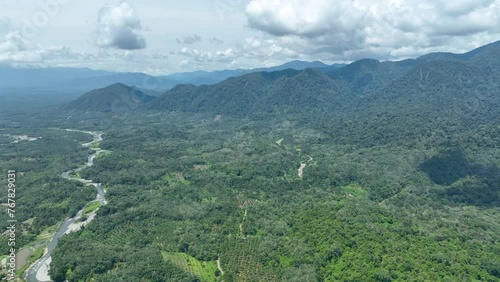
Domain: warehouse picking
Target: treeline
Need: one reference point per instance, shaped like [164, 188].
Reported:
[43, 198]
[372, 213]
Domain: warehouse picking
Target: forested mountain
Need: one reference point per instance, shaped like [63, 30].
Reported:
[255, 93]
[376, 171]
[436, 97]
[487, 55]
[85, 79]
[41, 77]
[213, 77]
[115, 99]
[370, 75]
[425, 86]
[299, 65]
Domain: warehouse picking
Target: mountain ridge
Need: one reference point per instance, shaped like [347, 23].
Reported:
[117, 99]
[86, 79]
[364, 91]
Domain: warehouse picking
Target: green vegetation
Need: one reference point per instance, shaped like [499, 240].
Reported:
[75, 174]
[114, 98]
[354, 190]
[401, 181]
[90, 207]
[43, 198]
[204, 271]
[38, 253]
[358, 212]
[95, 145]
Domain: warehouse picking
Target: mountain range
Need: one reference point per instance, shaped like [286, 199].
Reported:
[85, 79]
[395, 100]
[372, 171]
[116, 98]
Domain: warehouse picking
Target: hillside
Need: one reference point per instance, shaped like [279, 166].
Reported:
[117, 98]
[134, 79]
[377, 171]
[433, 98]
[213, 77]
[258, 92]
[487, 55]
[85, 79]
[395, 97]
[368, 75]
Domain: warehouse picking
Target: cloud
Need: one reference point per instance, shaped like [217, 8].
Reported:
[158, 56]
[119, 27]
[266, 48]
[206, 56]
[15, 49]
[354, 29]
[5, 25]
[215, 40]
[190, 39]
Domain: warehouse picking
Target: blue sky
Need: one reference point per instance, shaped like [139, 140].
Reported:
[160, 37]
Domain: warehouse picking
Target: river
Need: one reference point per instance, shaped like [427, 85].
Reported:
[38, 271]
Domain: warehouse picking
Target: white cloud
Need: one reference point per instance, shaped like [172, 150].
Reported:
[462, 7]
[228, 53]
[354, 29]
[5, 25]
[190, 39]
[16, 49]
[266, 48]
[280, 31]
[215, 40]
[119, 27]
[207, 56]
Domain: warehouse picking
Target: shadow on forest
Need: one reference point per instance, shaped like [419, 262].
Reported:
[469, 183]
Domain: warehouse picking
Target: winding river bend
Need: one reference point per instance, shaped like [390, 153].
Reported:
[38, 271]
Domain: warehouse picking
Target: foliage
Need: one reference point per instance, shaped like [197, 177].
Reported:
[401, 179]
[204, 271]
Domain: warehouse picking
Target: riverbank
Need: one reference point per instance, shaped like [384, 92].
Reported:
[39, 270]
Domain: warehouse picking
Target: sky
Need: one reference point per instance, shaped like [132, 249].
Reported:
[163, 37]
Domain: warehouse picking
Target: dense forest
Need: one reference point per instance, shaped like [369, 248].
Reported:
[377, 171]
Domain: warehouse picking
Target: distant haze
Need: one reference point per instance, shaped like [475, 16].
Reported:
[158, 38]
